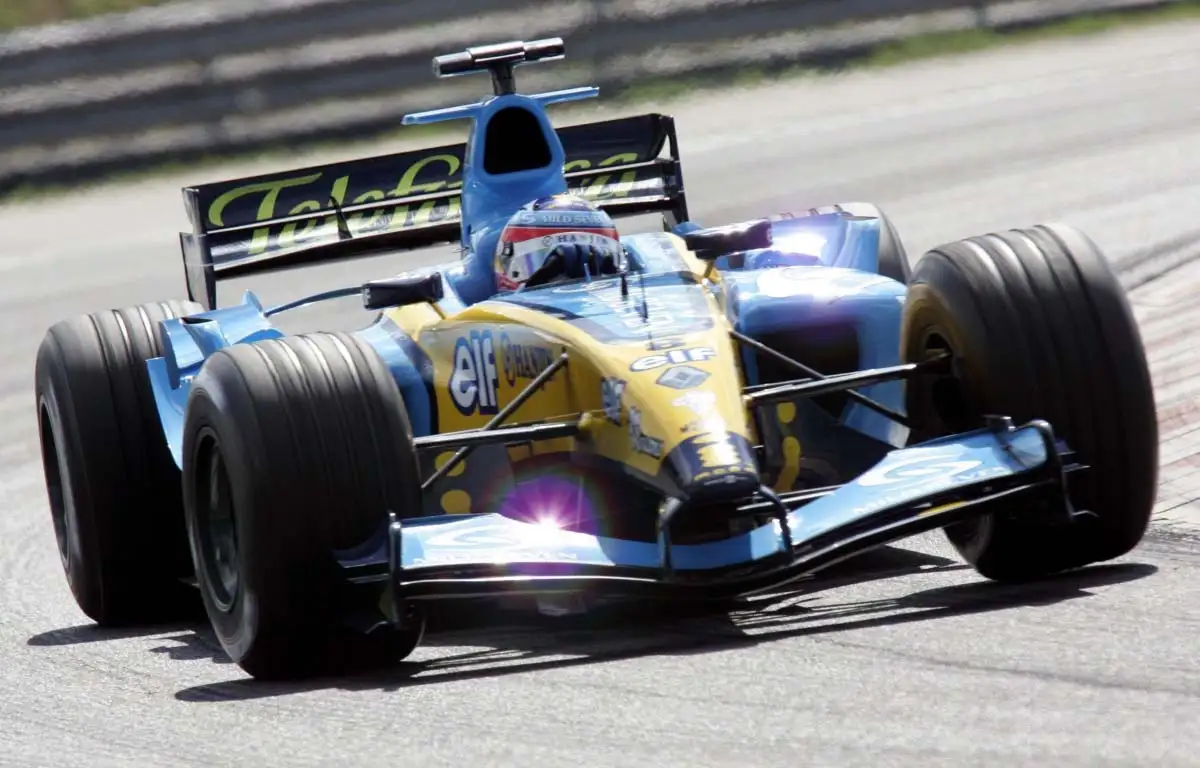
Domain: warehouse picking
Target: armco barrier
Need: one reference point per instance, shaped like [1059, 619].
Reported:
[203, 77]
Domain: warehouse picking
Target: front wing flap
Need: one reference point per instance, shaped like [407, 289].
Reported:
[912, 490]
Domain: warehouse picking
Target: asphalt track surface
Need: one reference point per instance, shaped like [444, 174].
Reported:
[901, 658]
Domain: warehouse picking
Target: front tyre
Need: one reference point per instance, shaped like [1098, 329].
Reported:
[1039, 328]
[294, 448]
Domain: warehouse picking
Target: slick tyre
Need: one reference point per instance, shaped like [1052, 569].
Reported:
[295, 448]
[1039, 328]
[113, 488]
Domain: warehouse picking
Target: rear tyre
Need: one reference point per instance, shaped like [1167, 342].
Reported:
[1039, 328]
[294, 448]
[113, 487]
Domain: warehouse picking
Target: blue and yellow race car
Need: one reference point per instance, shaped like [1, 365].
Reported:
[709, 413]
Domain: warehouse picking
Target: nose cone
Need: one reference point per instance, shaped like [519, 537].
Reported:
[715, 465]
[690, 414]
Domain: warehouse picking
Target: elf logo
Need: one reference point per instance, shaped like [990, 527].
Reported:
[673, 357]
[474, 382]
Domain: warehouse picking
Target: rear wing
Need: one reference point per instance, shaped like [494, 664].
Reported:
[405, 201]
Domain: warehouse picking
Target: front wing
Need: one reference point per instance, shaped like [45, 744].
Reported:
[912, 490]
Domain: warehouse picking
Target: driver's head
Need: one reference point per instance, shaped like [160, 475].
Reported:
[555, 239]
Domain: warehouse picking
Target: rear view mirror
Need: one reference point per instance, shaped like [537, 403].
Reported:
[402, 291]
[715, 242]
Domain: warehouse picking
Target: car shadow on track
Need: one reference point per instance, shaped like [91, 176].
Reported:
[196, 642]
[181, 640]
[466, 648]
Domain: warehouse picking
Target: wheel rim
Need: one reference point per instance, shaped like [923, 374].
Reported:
[947, 398]
[217, 526]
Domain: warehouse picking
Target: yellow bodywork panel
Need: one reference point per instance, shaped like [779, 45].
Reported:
[634, 405]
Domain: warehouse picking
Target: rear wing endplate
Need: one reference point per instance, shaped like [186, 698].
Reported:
[405, 201]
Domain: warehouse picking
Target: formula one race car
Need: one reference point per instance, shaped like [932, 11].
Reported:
[724, 411]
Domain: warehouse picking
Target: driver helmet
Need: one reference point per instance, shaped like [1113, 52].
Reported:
[541, 226]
